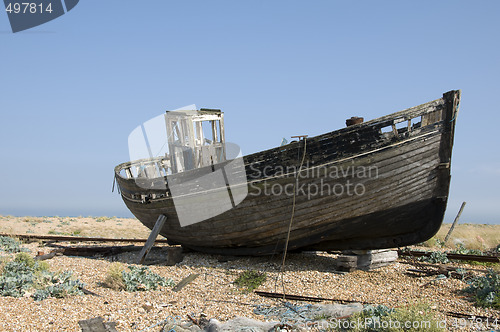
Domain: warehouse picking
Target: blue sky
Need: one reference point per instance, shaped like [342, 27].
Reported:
[73, 89]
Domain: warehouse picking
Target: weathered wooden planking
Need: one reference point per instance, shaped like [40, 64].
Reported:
[286, 205]
[366, 260]
[288, 180]
[390, 215]
[374, 206]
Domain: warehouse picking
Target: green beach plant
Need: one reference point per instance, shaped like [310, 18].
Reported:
[143, 279]
[435, 257]
[250, 280]
[11, 245]
[24, 275]
[485, 289]
[416, 317]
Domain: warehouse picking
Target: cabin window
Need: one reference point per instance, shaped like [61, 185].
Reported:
[220, 130]
[402, 126]
[207, 133]
[386, 129]
[416, 122]
[195, 139]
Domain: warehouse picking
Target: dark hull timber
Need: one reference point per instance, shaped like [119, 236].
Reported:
[378, 184]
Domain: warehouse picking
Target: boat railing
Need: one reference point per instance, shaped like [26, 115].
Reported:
[404, 125]
[145, 168]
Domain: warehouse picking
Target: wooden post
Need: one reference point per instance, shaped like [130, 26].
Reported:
[454, 222]
[152, 237]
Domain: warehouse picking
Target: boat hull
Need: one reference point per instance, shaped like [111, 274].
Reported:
[356, 188]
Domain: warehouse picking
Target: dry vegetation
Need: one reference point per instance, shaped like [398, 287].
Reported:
[111, 227]
[472, 236]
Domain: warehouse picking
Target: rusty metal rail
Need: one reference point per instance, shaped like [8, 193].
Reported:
[475, 258]
[321, 299]
[469, 316]
[303, 298]
[75, 238]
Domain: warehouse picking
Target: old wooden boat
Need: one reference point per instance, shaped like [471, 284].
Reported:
[396, 167]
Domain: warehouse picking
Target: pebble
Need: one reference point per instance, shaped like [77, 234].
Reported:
[215, 295]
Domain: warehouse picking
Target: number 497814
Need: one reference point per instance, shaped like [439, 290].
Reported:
[28, 7]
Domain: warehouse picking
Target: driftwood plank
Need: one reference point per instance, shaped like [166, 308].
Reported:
[184, 282]
[97, 324]
[73, 238]
[88, 251]
[46, 256]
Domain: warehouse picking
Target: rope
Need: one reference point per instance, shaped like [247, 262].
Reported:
[456, 111]
[166, 141]
[165, 322]
[291, 219]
